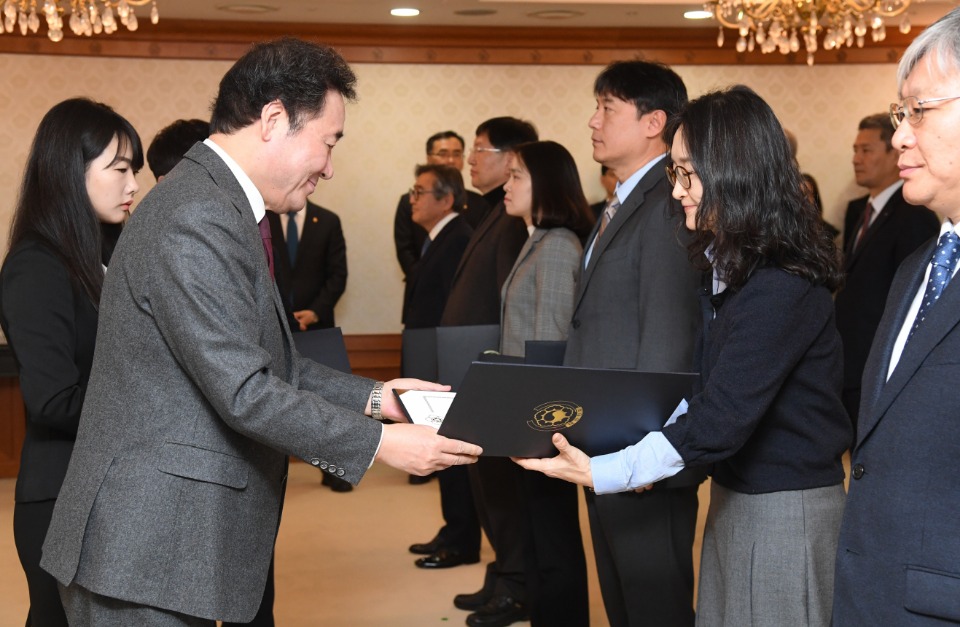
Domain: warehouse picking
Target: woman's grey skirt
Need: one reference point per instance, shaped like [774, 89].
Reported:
[768, 558]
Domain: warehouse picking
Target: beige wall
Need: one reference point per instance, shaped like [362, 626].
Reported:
[401, 105]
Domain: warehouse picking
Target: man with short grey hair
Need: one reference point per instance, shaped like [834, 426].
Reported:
[898, 559]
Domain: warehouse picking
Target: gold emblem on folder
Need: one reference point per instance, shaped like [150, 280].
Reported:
[555, 415]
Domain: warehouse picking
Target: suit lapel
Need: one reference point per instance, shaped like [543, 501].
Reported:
[478, 235]
[528, 247]
[309, 232]
[629, 207]
[879, 394]
[230, 186]
[874, 228]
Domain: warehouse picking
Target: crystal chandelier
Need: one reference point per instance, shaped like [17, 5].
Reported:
[780, 25]
[87, 17]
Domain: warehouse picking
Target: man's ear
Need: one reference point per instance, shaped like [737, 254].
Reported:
[273, 120]
[656, 122]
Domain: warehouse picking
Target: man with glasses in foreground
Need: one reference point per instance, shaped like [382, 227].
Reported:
[444, 148]
[898, 560]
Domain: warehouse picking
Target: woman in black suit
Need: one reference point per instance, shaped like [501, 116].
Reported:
[77, 190]
[767, 414]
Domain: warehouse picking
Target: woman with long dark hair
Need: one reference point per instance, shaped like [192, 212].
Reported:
[77, 190]
[537, 304]
[766, 414]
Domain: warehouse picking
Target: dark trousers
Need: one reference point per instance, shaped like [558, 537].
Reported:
[556, 573]
[851, 402]
[461, 529]
[30, 523]
[643, 543]
[496, 483]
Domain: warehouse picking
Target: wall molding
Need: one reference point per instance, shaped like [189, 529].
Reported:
[365, 43]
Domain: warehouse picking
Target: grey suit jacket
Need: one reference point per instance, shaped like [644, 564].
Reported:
[637, 306]
[898, 559]
[196, 397]
[537, 298]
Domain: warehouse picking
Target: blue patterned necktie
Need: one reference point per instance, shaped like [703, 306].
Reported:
[293, 239]
[944, 261]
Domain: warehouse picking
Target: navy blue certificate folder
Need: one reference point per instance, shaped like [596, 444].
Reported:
[324, 346]
[514, 409]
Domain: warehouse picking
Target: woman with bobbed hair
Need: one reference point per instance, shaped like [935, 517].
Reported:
[77, 190]
[766, 414]
[537, 304]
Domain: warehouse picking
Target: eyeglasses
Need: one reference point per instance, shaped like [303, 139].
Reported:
[417, 192]
[447, 154]
[911, 109]
[679, 173]
[476, 149]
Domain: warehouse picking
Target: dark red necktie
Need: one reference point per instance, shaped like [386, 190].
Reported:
[267, 242]
[867, 217]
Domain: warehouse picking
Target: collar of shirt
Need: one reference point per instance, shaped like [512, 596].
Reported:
[623, 189]
[249, 189]
[880, 200]
[444, 221]
[300, 217]
[718, 283]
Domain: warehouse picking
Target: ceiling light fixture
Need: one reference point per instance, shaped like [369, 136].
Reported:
[404, 12]
[87, 17]
[780, 25]
[697, 15]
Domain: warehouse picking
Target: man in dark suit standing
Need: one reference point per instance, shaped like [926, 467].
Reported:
[197, 395]
[444, 148]
[880, 231]
[475, 300]
[898, 559]
[310, 262]
[437, 195]
[636, 257]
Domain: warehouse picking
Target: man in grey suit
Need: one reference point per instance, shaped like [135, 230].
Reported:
[197, 395]
[636, 257]
[898, 559]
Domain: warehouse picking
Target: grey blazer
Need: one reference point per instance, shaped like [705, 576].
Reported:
[637, 306]
[196, 398]
[898, 559]
[537, 297]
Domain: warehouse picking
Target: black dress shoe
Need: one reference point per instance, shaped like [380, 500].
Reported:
[447, 558]
[336, 483]
[418, 480]
[473, 601]
[499, 611]
[427, 548]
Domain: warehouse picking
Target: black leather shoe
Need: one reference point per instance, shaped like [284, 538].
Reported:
[336, 483]
[427, 548]
[473, 601]
[447, 558]
[418, 480]
[499, 611]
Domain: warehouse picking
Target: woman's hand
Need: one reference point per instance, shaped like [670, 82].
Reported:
[571, 464]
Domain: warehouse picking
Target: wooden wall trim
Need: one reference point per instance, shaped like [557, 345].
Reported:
[227, 41]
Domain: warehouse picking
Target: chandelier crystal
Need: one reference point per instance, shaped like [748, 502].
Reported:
[87, 17]
[781, 25]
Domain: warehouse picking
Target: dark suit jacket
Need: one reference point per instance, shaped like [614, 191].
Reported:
[897, 231]
[196, 398]
[493, 248]
[319, 277]
[409, 236]
[898, 560]
[51, 327]
[428, 285]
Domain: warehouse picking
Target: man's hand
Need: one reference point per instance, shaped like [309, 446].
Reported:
[571, 464]
[418, 450]
[390, 406]
[305, 318]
